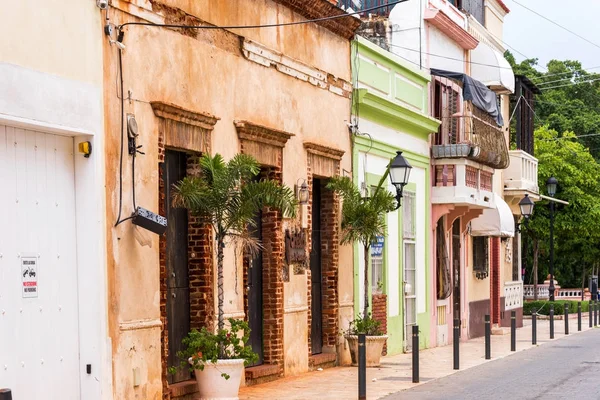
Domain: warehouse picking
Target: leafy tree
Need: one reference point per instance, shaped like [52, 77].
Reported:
[577, 226]
[363, 219]
[227, 196]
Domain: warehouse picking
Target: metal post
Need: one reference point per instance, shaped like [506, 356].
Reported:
[551, 288]
[488, 334]
[5, 394]
[513, 331]
[534, 327]
[590, 311]
[456, 342]
[415, 354]
[566, 305]
[596, 313]
[551, 321]
[579, 316]
[362, 367]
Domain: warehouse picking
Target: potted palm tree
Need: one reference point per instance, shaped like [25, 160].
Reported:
[363, 220]
[227, 196]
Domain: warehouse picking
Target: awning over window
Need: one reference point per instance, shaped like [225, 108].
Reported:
[496, 222]
[491, 68]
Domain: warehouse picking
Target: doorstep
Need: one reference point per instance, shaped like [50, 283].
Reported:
[323, 360]
[261, 374]
[183, 390]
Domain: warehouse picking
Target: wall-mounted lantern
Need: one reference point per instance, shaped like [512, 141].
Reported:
[399, 175]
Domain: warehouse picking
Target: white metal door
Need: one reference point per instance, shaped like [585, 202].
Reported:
[39, 332]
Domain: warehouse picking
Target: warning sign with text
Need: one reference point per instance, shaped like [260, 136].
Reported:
[29, 271]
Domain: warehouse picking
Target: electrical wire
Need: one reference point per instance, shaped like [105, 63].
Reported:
[570, 84]
[449, 58]
[557, 24]
[122, 140]
[308, 21]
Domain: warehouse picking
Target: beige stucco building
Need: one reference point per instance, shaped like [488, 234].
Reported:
[280, 94]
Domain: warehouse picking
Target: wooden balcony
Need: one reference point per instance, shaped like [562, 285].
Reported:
[473, 135]
[521, 177]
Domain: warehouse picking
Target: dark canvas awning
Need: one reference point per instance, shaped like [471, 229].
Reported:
[475, 92]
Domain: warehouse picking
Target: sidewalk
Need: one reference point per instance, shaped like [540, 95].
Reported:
[395, 373]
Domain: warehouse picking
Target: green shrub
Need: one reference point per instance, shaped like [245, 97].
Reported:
[543, 307]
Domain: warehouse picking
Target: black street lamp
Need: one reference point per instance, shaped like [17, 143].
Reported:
[526, 206]
[551, 187]
[399, 174]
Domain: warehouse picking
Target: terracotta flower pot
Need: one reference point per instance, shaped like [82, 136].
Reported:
[211, 385]
[374, 345]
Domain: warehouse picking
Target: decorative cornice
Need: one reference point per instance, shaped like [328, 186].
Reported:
[344, 27]
[176, 113]
[397, 116]
[262, 134]
[140, 324]
[324, 151]
[503, 6]
[456, 32]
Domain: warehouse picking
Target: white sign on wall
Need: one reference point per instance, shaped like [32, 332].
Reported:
[29, 272]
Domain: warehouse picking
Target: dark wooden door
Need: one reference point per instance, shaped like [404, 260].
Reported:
[255, 293]
[456, 268]
[316, 305]
[178, 293]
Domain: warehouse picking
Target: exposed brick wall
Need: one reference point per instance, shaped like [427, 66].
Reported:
[495, 280]
[380, 314]
[273, 249]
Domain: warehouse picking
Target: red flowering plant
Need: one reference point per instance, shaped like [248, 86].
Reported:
[207, 347]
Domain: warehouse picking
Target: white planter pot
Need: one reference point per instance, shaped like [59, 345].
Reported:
[211, 385]
[374, 346]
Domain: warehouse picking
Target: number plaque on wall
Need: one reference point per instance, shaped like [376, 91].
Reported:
[295, 247]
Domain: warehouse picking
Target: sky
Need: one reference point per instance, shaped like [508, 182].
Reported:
[537, 38]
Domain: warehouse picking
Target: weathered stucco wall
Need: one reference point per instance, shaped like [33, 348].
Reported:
[209, 73]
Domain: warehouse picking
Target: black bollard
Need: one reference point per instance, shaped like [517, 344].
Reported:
[456, 342]
[534, 327]
[513, 331]
[579, 316]
[566, 305]
[488, 334]
[5, 394]
[415, 354]
[590, 311]
[551, 321]
[362, 367]
[596, 313]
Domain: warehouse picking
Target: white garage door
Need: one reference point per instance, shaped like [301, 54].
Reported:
[39, 339]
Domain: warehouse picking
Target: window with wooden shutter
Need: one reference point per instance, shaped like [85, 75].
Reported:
[481, 257]
[446, 107]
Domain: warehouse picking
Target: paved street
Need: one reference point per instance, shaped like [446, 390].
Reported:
[569, 368]
[531, 372]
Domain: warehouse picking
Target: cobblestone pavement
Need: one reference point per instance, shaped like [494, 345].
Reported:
[564, 369]
[394, 375]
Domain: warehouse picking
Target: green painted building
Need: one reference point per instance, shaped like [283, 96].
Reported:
[390, 113]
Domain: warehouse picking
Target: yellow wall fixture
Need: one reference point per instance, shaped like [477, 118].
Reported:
[85, 148]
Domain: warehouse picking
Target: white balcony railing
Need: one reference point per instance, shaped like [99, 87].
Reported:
[542, 292]
[522, 173]
[462, 182]
[513, 295]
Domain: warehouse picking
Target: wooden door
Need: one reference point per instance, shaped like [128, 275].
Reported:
[316, 305]
[255, 294]
[456, 300]
[178, 293]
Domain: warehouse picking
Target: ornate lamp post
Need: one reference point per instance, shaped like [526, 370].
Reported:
[526, 205]
[399, 174]
[551, 187]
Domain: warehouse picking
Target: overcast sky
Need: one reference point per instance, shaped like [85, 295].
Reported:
[536, 37]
